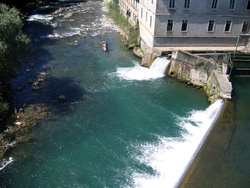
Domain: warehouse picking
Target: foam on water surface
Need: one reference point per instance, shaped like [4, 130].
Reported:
[171, 156]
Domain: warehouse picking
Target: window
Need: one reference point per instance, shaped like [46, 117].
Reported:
[146, 19]
[232, 5]
[150, 22]
[171, 3]
[152, 1]
[141, 12]
[186, 3]
[170, 25]
[248, 5]
[184, 25]
[228, 26]
[245, 27]
[214, 4]
[211, 26]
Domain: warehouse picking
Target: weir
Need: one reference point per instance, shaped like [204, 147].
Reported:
[160, 65]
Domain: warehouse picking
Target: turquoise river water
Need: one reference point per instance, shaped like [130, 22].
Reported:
[122, 125]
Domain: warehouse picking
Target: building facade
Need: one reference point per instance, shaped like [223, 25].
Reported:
[166, 23]
[130, 8]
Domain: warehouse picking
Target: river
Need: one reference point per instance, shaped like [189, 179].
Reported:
[122, 125]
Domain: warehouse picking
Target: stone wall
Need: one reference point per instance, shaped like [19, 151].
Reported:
[148, 58]
[201, 73]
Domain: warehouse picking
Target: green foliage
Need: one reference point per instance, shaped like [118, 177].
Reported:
[4, 106]
[199, 64]
[114, 12]
[208, 72]
[13, 43]
[133, 38]
[122, 21]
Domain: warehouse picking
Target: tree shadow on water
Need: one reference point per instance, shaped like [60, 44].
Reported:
[35, 85]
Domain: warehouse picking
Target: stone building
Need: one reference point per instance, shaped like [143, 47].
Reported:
[166, 23]
[130, 9]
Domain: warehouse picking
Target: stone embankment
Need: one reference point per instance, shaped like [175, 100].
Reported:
[202, 73]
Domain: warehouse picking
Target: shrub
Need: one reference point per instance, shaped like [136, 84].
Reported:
[199, 64]
[13, 45]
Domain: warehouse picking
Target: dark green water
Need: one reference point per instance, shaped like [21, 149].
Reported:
[235, 169]
[122, 125]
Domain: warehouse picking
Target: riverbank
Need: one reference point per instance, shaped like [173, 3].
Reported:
[209, 158]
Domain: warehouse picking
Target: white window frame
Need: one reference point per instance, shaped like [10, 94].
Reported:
[209, 25]
[184, 31]
[172, 25]
[214, 4]
[229, 27]
[187, 2]
[171, 4]
[234, 5]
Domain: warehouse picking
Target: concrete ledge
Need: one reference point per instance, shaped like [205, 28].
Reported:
[225, 86]
[198, 48]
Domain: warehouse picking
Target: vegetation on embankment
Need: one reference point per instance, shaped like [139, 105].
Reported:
[132, 32]
[14, 44]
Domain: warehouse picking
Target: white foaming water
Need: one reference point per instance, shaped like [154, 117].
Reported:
[5, 163]
[171, 157]
[160, 65]
[137, 73]
[40, 17]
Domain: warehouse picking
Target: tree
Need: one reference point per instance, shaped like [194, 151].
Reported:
[14, 44]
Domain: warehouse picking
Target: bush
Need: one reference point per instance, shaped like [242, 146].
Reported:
[199, 64]
[122, 21]
[114, 12]
[13, 45]
[4, 106]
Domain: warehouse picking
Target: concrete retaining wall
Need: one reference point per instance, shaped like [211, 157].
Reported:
[201, 73]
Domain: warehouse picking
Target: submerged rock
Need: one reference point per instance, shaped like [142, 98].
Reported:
[19, 88]
[31, 65]
[41, 80]
[36, 88]
[62, 98]
[30, 81]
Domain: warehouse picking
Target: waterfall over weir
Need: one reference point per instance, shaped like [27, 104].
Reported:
[160, 65]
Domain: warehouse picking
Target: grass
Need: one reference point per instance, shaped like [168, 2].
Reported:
[115, 13]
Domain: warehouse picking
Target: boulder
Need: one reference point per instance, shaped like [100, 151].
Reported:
[18, 123]
[67, 15]
[138, 52]
[41, 80]
[36, 83]
[36, 88]
[104, 46]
